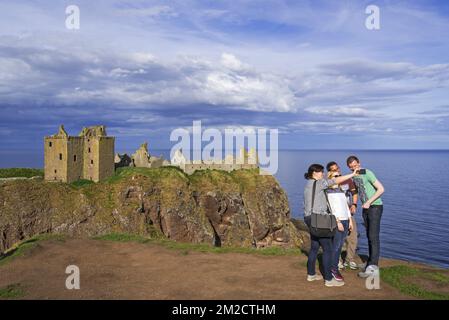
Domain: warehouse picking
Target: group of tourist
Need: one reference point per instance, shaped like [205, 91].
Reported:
[335, 196]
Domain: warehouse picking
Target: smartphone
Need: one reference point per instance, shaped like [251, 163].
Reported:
[362, 171]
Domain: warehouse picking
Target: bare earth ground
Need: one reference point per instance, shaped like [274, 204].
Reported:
[116, 270]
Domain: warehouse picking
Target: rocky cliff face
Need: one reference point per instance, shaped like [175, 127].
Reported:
[241, 208]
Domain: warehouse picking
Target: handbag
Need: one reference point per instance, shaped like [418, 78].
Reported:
[322, 225]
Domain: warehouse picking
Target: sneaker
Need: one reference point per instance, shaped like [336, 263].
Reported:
[315, 277]
[334, 283]
[352, 265]
[362, 266]
[341, 265]
[369, 271]
[337, 275]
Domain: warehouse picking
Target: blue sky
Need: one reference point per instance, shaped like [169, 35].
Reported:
[308, 68]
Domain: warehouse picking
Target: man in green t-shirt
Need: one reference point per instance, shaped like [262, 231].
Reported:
[369, 189]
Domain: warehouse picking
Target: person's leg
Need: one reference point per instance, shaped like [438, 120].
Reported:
[313, 253]
[326, 244]
[351, 241]
[367, 222]
[337, 244]
[374, 217]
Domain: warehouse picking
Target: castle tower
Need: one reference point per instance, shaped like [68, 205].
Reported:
[253, 157]
[98, 153]
[87, 156]
[63, 157]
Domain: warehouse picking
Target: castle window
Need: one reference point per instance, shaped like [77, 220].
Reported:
[49, 144]
[91, 161]
[88, 150]
[60, 156]
[74, 158]
[55, 170]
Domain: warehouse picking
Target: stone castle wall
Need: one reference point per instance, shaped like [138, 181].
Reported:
[190, 168]
[106, 157]
[55, 153]
[70, 158]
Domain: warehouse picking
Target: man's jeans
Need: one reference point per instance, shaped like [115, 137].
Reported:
[372, 217]
[315, 243]
[337, 243]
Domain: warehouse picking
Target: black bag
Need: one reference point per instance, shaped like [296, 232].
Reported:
[322, 225]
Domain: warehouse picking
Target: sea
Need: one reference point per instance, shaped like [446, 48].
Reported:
[415, 221]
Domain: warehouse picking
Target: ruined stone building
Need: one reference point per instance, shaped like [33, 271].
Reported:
[140, 159]
[245, 160]
[90, 155]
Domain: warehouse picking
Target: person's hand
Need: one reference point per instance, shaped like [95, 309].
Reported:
[340, 226]
[353, 209]
[351, 226]
[366, 205]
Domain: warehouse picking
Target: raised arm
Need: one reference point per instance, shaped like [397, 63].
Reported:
[341, 179]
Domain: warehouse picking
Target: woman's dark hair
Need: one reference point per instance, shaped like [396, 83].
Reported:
[313, 168]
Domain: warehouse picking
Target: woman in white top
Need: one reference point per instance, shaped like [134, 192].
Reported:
[339, 207]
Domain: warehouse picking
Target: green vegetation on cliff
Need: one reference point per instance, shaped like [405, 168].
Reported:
[20, 172]
[218, 208]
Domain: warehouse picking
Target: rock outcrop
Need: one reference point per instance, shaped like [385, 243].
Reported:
[241, 208]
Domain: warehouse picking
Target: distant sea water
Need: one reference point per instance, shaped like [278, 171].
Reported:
[415, 222]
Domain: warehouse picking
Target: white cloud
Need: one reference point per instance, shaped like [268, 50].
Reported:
[230, 61]
[155, 11]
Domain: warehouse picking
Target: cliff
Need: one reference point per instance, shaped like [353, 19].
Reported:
[240, 208]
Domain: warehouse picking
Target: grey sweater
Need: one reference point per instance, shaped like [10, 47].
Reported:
[320, 198]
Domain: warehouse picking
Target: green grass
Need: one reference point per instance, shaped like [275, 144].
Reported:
[20, 172]
[13, 291]
[27, 245]
[81, 183]
[185, 247]
[401, 278]
[156, 173]
[123, 237]
[438, 277]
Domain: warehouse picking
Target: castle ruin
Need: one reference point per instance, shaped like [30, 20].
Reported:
[90, 155]
[245, 160]
[140, 159]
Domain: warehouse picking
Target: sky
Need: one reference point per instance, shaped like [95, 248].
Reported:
[310, 69]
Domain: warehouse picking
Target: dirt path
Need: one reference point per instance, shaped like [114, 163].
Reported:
[114, 270]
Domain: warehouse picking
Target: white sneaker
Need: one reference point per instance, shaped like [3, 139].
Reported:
[315, 277]
[353, 266]
[334, 283]
[369, 271]
[341, 266]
